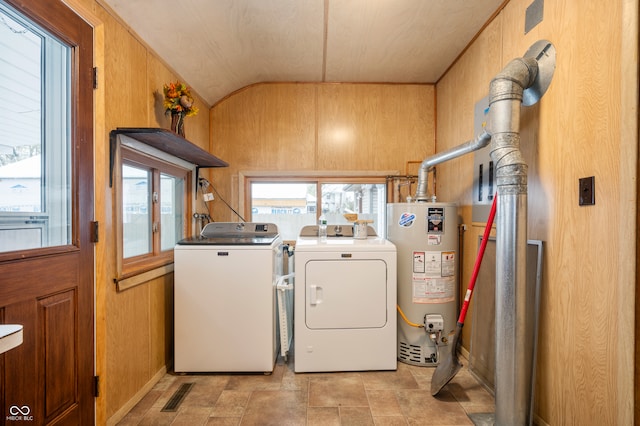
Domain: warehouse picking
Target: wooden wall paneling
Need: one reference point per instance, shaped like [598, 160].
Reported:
[158, 75]
[263, 127]
[128, 361]
[629, 166]
[346, 123]
[266, 126]
[160, 322]
[578, 137]
[125, 71]
[197, 126]
[275, 127]
[126, 106]
[374, 126]
[135, 337]
[457, 93]
[573, 132]
[466, 83]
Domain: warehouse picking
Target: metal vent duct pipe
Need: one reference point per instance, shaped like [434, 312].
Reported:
[522, 82]
[428, 164]
[513, 372]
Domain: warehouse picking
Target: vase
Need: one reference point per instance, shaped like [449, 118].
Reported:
[177, 123]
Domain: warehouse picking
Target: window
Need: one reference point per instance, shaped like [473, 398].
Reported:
[154, 208]
[292, 203]
[35, 159]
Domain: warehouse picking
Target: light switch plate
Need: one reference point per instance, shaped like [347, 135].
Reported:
[587, 191]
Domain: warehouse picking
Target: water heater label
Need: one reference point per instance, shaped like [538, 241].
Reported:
[418, 262]
[448, 263]
[434, 240]
[407, 219]
[433, 277]
[435, 220]
[434, 290]
[433, 264]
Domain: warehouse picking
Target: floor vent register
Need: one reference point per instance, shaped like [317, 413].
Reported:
[177, 397]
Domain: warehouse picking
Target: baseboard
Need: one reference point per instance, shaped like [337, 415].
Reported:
[122, 412]
[538, 421]
[464, 353]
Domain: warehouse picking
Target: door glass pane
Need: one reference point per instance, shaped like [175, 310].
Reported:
[289, 205]
[136, 214]
[35, 182]
[171, 210]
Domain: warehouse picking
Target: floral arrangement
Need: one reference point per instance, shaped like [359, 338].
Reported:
[178, 99]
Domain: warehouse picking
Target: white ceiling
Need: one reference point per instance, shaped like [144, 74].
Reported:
[220, 46]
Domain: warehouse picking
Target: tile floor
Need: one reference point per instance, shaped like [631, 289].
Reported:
[399, 397]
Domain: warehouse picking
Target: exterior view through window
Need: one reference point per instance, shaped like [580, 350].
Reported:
[154, 207]
[292, 205]
[35, 182]
[136, 201]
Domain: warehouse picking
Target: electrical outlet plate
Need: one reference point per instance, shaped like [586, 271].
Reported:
[587, 191]
[208, 196]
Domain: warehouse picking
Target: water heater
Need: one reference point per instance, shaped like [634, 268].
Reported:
[426, 238]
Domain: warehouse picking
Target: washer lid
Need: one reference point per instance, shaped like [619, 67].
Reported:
[234, 233]
[228, 241]
[239, 230]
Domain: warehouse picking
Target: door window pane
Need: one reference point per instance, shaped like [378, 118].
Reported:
[35, 182]
[136, 211]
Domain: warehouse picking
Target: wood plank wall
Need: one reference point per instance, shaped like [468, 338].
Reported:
[134, 328]
[328, 127]
[585, 358]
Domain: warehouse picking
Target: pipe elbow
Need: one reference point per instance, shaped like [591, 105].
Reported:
[510, 83]
[522, 71]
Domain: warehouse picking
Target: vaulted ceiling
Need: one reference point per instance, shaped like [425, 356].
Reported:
[220, 46]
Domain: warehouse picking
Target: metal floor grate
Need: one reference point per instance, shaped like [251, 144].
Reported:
[177, 398]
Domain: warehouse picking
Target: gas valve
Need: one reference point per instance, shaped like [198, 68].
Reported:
[433, 323]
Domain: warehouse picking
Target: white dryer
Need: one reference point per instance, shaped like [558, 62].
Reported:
[345, 304]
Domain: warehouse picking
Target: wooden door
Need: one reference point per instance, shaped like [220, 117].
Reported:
[49, 288]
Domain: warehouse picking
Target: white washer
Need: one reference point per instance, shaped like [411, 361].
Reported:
[225, 298]
[345, 304]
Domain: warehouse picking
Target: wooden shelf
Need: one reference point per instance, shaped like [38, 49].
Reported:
[166, 141]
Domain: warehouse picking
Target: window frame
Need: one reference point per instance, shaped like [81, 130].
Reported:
[319, 178]
[57, 181]
[157, 164]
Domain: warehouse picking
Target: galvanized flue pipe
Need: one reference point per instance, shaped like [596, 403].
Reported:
[522, 81]
[429, 163]
[513, 376]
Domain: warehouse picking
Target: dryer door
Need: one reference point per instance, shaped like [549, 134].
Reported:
[346, 294]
